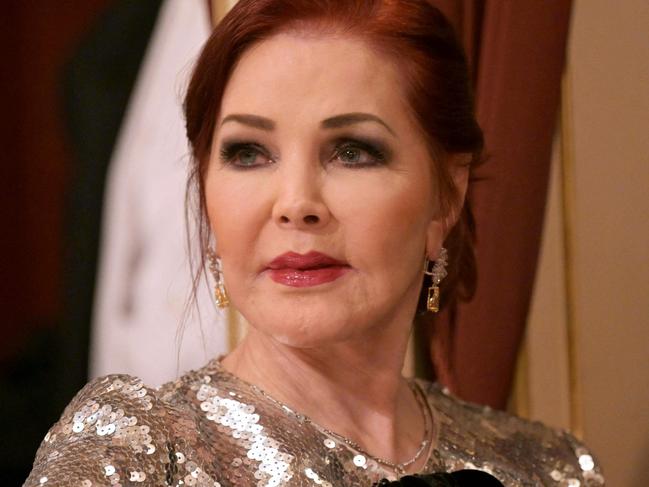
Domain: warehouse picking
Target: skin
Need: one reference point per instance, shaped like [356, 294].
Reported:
[334, 351]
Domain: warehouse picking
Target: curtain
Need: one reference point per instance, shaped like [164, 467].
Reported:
[516, 50]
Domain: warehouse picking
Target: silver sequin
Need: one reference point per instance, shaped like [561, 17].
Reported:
[210, 429]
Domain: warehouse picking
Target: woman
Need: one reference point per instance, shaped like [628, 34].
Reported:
[332, 141]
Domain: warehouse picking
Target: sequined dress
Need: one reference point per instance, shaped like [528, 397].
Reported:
[210, 428]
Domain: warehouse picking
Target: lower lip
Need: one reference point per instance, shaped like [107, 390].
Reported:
[307, 277]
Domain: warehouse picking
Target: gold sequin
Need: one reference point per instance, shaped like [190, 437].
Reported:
[210, 429]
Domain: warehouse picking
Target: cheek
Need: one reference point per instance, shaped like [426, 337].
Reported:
[235, 212]
[385, 220]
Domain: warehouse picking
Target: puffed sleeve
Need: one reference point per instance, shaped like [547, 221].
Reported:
[111, 434]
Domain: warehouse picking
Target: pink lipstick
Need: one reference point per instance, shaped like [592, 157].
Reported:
[305, 270]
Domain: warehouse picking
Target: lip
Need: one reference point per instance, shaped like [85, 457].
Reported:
[306, 270]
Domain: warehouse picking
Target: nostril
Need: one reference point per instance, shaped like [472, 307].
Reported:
[284, 219]
[311, 219]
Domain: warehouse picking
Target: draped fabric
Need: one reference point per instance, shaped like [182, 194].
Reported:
[516, 50]
[144, 276]
[95, 101]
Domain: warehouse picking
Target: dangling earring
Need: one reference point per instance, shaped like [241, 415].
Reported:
[220, 295]
[437, 273]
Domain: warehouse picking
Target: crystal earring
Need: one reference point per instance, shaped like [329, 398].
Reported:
[220, 295]
[437, 273]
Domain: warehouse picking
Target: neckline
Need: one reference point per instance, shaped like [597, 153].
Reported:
[428, 410]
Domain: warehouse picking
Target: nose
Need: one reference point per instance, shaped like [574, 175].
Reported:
[300, 203]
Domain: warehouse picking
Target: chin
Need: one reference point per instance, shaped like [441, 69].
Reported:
[307, 323]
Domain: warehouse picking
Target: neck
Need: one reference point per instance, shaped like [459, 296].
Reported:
[354, 388]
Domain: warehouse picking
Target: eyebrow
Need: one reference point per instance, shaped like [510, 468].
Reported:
[254, 121]
[338, 121]
[353, 118]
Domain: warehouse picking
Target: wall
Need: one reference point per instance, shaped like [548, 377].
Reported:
[590, 315]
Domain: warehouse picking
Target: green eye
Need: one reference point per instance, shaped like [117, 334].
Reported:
[355, 153]
[350, 155]
[244, 155]
[247, 157]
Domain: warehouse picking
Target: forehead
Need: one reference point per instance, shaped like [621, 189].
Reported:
[313, 75]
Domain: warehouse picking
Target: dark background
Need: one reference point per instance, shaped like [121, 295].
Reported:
[54, 156]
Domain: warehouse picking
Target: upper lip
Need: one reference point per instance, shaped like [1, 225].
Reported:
[310, 260]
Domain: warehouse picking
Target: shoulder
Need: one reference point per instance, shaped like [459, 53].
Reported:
[513, 448]
[111, 432]
[118, 431]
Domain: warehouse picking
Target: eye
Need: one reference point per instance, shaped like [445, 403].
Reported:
[356, 153]
[244, 155]
[351, 155]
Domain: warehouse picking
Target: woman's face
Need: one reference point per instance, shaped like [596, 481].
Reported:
[320, 191]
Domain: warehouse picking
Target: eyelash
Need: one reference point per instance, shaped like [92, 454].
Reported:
[231, 151]
[377, 155]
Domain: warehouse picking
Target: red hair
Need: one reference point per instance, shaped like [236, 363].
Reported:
[419, 40]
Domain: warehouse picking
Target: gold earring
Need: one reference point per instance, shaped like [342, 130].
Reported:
[437, 273]
[220, 294]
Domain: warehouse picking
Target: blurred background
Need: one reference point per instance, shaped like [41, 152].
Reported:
[79, 80]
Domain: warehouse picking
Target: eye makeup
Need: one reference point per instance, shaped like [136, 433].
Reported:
[244, 154]
[359, 152]
[349, 151]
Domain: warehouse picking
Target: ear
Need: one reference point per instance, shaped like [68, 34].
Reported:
[460, 166]
[439, 228]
